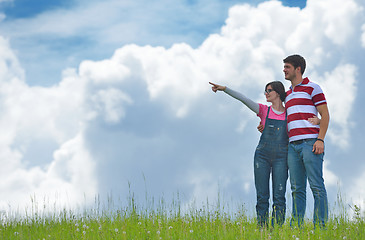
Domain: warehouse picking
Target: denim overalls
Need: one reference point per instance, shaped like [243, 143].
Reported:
[271, 156]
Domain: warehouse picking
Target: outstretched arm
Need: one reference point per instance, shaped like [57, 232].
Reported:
[254, 106]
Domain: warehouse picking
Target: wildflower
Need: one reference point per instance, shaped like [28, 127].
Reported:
[84, 232]
[16, 233]
[191, 231]
[344, 237]
[100, 228]
[77, 230]
[76, 224]
[158, 232]
[124, 233]
[139, 223]
[170, 227]
[116, 230]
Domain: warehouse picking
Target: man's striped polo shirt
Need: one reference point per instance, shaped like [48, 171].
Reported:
[300, 104]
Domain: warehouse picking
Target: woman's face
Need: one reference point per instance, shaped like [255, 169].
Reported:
[271, 94]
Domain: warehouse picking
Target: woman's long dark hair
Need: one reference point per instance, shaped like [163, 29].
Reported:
[278, 87]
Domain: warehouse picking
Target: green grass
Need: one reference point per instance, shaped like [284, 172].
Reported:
[168, 221]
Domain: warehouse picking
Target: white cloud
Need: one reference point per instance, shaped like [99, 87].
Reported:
[40, 114]
[110, 103]
[340, 88]
[104, 72]
[356, 191]
[68, 182]
[245, 55]
[9, 64]
[335, 18]
[331, 180]
[73, 162]
[205, 186]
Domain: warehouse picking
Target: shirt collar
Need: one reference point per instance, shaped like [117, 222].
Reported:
[304, 81]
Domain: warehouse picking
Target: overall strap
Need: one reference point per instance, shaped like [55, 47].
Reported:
[286, 115]
[268, 110]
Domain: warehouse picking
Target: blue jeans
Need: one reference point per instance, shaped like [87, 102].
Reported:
[271, 157]
[304, 164]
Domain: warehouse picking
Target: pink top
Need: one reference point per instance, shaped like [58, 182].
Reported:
[263, 112]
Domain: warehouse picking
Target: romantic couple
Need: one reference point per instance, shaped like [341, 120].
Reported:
[292, 138]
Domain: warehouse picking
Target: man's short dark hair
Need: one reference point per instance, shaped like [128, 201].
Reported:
[297, 61]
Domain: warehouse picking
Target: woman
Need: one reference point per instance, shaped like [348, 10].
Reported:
[271, 152]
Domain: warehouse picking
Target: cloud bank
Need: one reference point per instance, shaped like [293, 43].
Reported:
[149, 111]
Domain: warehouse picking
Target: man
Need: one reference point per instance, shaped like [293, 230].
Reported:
[306, 142]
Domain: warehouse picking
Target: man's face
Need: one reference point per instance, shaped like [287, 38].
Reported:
[289, 71]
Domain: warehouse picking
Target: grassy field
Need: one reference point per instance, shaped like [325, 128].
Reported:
[169, 221]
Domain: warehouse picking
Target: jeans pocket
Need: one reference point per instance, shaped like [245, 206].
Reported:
[309, 142]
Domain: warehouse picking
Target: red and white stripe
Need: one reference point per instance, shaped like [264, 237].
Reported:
[300, 104]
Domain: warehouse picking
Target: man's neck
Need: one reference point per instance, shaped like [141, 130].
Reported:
[296, 81]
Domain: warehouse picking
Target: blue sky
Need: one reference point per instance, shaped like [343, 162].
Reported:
[99, 94]
[28, 9]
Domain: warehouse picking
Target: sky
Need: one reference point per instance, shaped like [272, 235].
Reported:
[104, 98]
